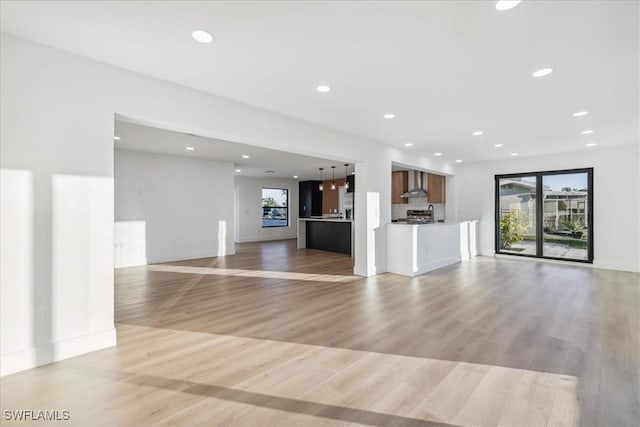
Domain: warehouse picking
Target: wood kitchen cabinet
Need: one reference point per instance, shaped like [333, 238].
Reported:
[436, 187]
[330, 197]
[399, 186]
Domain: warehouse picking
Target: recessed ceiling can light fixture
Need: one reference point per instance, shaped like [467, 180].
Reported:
[498, 145]
[408, 144]
[503, 5]
[514, 154]
[116, 138]
[189, 148]
[389, 116]
[245, 156]
[202, 36]
[477, 133]
[587, 132]
[580, 113]
[238, 170]
[295, 176]
[591, 144]
[437, 154]
[542, 72]
[323, 88]
[458, 161]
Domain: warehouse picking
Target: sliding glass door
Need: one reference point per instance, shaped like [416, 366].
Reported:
[546, 214]
[517, 215]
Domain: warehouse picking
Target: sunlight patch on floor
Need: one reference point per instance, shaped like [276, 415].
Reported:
[180, 377]
[265, 274]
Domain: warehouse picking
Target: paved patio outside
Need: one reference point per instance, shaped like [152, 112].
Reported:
[555, 250]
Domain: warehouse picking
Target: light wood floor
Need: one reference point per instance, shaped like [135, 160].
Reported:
[279, 336]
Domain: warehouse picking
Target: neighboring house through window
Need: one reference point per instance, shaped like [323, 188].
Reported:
[275, 207]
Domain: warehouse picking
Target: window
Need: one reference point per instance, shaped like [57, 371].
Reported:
[545, 214]
[275, 207]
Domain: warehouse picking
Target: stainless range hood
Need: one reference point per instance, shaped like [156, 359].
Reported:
[417, 190]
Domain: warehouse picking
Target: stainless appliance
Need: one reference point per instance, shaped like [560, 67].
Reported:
[419, 216]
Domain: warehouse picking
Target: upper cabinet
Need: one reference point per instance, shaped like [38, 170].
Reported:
[399, 186]
[436, 187]
[351, 180]
[310, 198]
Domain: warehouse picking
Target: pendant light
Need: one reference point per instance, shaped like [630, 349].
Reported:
[333, 173]
[346, 175]
[321, 187]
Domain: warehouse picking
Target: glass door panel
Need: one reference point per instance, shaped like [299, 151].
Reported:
[566, 216]
[516, 228]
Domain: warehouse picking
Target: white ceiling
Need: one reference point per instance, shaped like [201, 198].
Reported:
[137, 137]
[445, 68]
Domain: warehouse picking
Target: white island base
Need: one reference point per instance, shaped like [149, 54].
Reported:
[414, 249]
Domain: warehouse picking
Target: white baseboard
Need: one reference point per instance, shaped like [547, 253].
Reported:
[130, 263]
[185, 257]
[602, 265]
[265, 238]
[615, 265]
[27, 359]
[407, 269]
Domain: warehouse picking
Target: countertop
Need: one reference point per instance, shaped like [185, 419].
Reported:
[426, 224]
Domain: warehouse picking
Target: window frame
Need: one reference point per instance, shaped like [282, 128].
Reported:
[540, 213]
[286, 208]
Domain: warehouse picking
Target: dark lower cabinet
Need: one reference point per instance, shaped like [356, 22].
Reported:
[310, 198]
[331, 236]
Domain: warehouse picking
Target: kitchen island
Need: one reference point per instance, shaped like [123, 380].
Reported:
[414, 249]
[327, 234]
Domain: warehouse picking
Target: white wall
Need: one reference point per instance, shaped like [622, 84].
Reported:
[185, 204]
[57, 113]
[250, 209]
[615, 196]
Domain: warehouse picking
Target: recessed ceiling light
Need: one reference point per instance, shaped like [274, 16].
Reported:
[503, 5]
[323, 88]
[542, 72]
[477, 133]
[498, 145]
[117, 138]
[437, 154]
[408, 144]
[238, 170]
[580, 113]
[458, 161]
[245, 156]
[514, 154]
[586, 132]
[591, 144]
[189, 148]
[295, 176]
[389, 116]
[202, 36]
